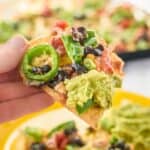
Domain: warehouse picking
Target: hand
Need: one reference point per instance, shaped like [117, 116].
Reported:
[17, 99]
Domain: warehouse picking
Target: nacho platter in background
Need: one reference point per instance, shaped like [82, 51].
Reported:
[38, 21]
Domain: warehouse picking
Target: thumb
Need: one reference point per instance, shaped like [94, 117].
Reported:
[11, 53]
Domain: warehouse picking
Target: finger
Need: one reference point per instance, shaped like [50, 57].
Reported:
[13, 90]
[10, 76]
[11, 53]
[18, 107]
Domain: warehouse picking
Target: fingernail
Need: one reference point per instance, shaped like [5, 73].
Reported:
[18, 43]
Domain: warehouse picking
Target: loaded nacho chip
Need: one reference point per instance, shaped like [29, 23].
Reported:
[73, 67]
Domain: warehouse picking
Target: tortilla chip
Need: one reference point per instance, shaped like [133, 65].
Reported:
[91, 116]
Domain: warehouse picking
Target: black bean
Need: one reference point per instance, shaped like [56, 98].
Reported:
[61, 76]
[45, 68]
[76, 142]
[87, 50]
[81, 30]
[52, 83]
[79, 34]
[79, 68]
[28, 37]
[41, 70]
[101, 47]
[36, 70]
[79, 16]
[90, 129]
[38, 146]
[120, 144]
[70, 131]
[68, 70]
[127, 147]
[96, 52]
[111, 148]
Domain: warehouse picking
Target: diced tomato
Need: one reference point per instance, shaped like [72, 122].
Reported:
[120, 47]
[100, 11]
[58, 45]
[56, 42]
[109, 63]
[103, 63]
[61, 24]
[63, 144]
[125, 23]
[46, 12]
[118, 65]
[61, 140]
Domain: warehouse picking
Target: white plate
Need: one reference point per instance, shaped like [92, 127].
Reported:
[47, 121]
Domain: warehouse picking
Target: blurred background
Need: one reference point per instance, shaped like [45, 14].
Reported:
[124, 24]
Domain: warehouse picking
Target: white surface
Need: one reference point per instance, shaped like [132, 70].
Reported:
[142, 4]
[137, 76]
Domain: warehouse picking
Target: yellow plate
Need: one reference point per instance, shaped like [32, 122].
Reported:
[55, 114]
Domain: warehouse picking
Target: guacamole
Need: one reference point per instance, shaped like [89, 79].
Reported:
[131, 123]
[94, 85]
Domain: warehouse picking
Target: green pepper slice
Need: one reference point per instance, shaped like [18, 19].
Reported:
[65, 125]
[85, 107]
[37, 51]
